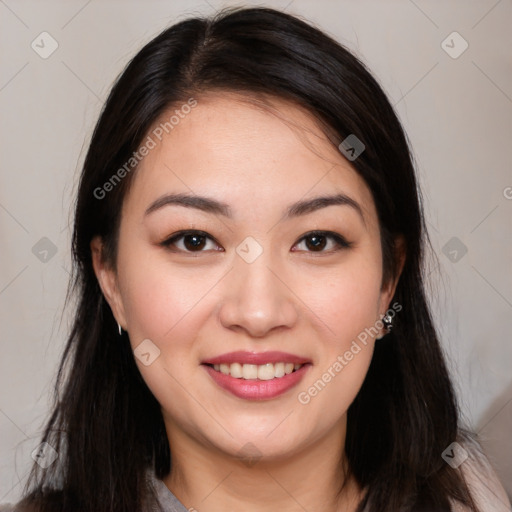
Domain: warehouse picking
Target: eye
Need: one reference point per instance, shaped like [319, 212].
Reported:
[316, 241]
[196, 241]
[192, 241]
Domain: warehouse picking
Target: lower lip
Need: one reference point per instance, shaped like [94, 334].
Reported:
[253, 389]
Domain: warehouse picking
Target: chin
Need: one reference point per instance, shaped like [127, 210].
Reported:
[257, 443]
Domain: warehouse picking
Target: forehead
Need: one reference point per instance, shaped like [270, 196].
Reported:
[244, 150]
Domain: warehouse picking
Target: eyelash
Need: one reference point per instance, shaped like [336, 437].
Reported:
[340, 241]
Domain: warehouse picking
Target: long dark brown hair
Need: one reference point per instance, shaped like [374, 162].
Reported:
[106, 425]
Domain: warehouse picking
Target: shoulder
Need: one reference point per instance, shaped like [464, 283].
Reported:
[483, 483]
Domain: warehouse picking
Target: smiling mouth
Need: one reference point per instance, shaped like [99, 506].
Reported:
[267, 371]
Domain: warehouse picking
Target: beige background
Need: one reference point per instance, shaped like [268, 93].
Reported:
[458, 115]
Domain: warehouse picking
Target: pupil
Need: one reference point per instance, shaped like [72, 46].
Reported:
[318, 244]
[198, 244]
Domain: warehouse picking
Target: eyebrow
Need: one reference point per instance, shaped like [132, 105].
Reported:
[215, 207]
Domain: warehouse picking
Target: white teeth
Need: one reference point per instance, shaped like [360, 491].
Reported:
[267, 371]
[249, 371]
[279, 369]
[236, 371]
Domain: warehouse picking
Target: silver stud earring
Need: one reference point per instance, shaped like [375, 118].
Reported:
[388, 322]
[388, 325]
[120, 329]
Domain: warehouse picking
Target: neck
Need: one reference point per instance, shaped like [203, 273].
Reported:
[210, 480]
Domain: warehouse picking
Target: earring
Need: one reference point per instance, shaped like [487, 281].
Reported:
[120, 329]
[388, 325]
[388, 322]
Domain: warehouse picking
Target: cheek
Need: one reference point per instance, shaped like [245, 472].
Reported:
[348, 308]
[168, 306]
[157, 298]
[326, 396]
[345, 299]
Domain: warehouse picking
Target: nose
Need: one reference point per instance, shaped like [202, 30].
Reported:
[258, 299]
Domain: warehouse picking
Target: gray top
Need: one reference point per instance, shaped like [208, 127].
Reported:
[166, 499]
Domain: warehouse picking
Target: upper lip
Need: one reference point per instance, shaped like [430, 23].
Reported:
[257, 358]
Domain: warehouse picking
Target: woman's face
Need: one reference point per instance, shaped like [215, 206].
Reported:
[250, 286]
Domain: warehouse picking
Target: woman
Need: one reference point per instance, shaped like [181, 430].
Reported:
[252, 331]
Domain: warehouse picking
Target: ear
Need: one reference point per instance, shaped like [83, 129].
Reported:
[388, 289]
[107, 279]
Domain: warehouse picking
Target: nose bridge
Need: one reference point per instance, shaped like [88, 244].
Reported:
[256, 299]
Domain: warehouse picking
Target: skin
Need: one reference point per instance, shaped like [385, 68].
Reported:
[292, 298]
